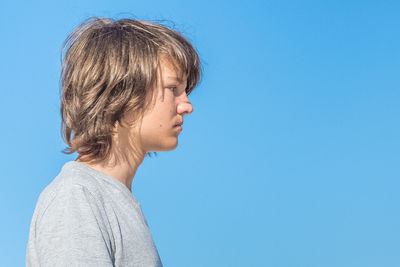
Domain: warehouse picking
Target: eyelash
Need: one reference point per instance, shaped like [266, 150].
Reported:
[174, 89]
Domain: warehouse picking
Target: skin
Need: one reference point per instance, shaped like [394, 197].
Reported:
[155, 132]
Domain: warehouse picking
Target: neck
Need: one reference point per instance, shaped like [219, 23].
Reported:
[125, 157]
[123, 170]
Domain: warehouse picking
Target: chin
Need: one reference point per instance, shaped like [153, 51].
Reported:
[172, 147]
[167, 146]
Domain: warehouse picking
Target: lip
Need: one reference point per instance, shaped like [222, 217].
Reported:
[178, 126]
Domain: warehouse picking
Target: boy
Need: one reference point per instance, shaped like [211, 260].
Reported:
[125, 87]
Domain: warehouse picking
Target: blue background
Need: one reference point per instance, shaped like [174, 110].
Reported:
[290, 158]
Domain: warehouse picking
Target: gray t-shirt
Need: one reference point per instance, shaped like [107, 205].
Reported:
[87, 218]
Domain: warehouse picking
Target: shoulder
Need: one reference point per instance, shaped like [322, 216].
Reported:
[71, 178]
[70, 188]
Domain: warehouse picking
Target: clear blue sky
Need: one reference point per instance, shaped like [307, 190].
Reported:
[290, 158]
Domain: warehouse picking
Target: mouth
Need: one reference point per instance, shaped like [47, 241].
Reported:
[178, 126]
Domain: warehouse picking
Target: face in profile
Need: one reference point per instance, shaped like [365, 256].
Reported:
[159, 130]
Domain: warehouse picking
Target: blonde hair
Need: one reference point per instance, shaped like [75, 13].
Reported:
[108, 69]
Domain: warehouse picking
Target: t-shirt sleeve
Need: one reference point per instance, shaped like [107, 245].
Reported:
[71, 231]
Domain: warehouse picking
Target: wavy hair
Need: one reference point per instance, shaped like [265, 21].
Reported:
[108, 68]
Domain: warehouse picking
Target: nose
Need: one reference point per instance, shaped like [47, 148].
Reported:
[185, 107]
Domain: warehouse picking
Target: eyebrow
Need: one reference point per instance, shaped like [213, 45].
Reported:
[179, 80]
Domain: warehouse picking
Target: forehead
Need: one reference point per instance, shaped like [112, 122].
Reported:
[170, 70]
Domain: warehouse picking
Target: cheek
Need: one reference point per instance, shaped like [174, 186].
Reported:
[163, 114]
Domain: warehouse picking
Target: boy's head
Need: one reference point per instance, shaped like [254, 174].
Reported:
[125, 78]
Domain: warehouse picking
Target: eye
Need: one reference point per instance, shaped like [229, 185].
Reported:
[176, 91]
